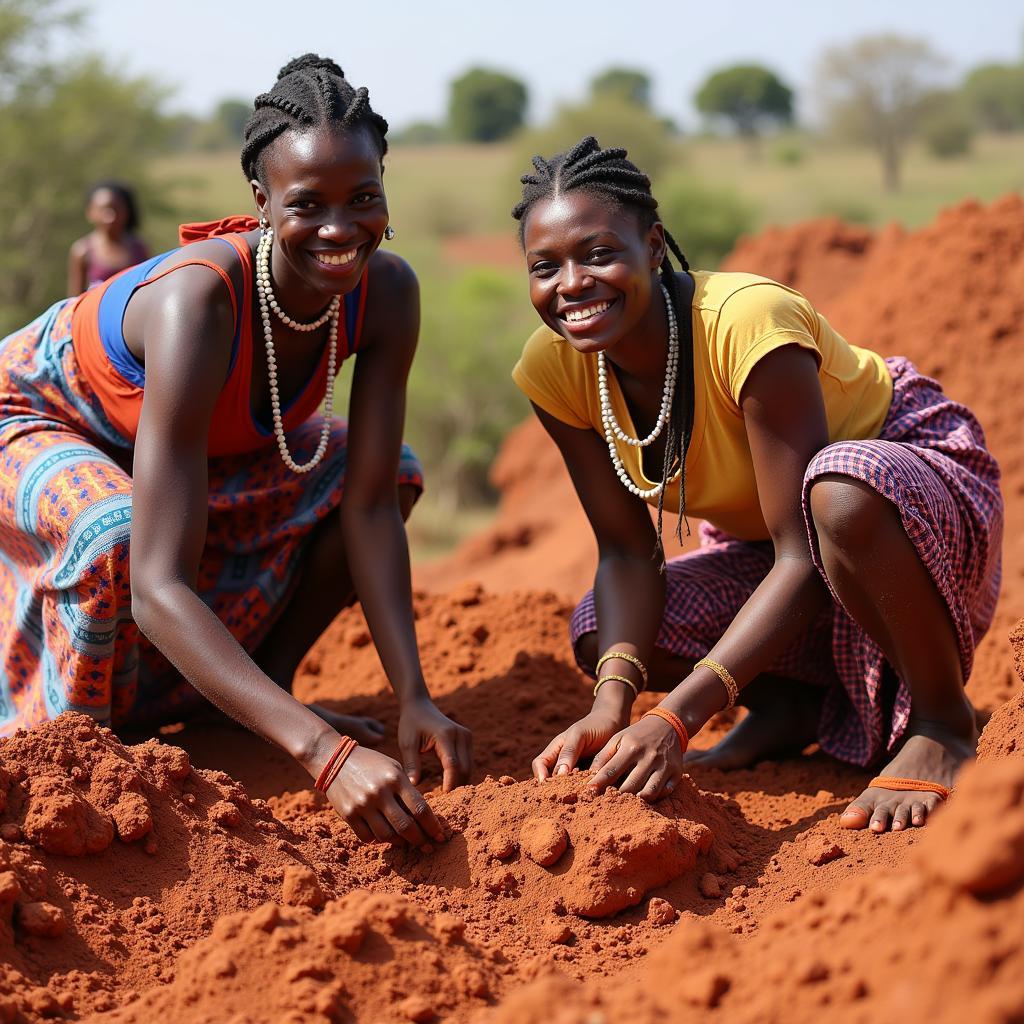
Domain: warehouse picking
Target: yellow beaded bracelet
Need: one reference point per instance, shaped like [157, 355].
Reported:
[625, 656]
[619, 679]
[727, 680]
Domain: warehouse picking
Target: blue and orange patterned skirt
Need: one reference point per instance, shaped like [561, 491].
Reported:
[932, 464]
[67, 638]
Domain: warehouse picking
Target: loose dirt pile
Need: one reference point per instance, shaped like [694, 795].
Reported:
[204, 881]
[939, 939]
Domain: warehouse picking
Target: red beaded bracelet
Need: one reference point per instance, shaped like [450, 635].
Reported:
[674, 720]
[334, 763]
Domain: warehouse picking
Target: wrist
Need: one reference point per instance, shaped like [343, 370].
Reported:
[316, 747]
[615, 700]
[695, 701]
[417, 698]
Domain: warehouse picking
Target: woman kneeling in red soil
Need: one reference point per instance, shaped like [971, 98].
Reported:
[171, 413]
[850, 555]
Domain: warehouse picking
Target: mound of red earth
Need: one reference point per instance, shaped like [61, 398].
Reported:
[939, 939]
[114, 859]
[555, 850]
[366, 956]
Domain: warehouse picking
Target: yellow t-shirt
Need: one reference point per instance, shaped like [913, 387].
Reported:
[737, 320]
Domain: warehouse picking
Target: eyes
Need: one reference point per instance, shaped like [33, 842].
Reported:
[303, 204]
[599, 256]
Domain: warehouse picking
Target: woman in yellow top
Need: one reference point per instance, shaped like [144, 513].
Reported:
[850, 554]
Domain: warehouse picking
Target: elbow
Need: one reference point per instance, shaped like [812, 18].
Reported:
[151, 606]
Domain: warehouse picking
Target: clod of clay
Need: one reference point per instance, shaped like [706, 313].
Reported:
[42, 919]
[301, 888]
[543, 840]
[822, 850]
[710, 887]
[660, 912]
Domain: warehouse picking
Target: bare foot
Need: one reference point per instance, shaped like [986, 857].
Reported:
[931, 751]
[779, 724]
[366, 731]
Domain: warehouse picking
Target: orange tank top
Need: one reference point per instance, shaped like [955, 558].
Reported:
[118, 378]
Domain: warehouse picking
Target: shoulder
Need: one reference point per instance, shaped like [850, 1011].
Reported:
[391, 274]
[547, 356]
[734, 296]
[553, 375]
[196, 283]
[392, 300]
[79, 248]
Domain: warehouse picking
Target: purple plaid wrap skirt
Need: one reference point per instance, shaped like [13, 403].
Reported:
[931, 462]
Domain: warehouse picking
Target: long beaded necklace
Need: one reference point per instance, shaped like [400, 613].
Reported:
[269, 302]
[612, 430]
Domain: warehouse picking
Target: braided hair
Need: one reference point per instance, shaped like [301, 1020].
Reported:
[310, 92]
[610, 176]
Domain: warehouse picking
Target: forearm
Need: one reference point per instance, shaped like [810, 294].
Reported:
[629, 596]
[775, 614]
[378, 558]
[189, 634]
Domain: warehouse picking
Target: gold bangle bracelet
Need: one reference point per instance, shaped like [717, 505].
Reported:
[727, 680]
[618, 679]
[625, 656]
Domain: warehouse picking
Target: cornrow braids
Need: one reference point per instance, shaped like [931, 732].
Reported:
[610, 175]
[310, 91]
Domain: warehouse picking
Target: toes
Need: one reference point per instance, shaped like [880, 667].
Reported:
[918, 813]
[901, 817]
[880, 818]
[857, 814]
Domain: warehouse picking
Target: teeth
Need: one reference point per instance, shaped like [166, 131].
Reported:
[339, 260]
[575, 315]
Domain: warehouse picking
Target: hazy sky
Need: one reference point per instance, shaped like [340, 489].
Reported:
[406, 52]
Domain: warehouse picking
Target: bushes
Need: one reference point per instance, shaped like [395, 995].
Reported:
[706, 221]
[613, 121]
[946, 129]
[462, 399]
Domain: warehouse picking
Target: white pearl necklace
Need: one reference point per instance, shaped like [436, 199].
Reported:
[267, 302]
[612, 430]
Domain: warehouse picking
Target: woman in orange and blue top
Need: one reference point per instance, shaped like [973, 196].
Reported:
[170, 414]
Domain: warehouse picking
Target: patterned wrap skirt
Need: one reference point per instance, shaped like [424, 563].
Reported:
[67, 638]
[931, 462]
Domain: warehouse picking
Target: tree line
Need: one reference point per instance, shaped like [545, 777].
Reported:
[882, 90]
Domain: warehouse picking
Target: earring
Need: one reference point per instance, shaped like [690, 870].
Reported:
[389, 233]
[263, 224]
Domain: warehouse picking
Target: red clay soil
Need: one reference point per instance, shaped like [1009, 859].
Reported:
[204, 881]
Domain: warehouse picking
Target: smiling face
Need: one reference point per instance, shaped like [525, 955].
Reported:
[593, 268]
[323, 194]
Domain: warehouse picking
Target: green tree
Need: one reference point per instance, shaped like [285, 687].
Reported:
[626, 84]
[486, 105]
[946, 128]
[994, 96]
[64, 124]
[222, 130]
[614, 122]
[877, 91]
[748, 96]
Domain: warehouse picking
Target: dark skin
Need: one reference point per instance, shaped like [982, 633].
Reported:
[322, 193]
[584, 254]
[108, 214]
